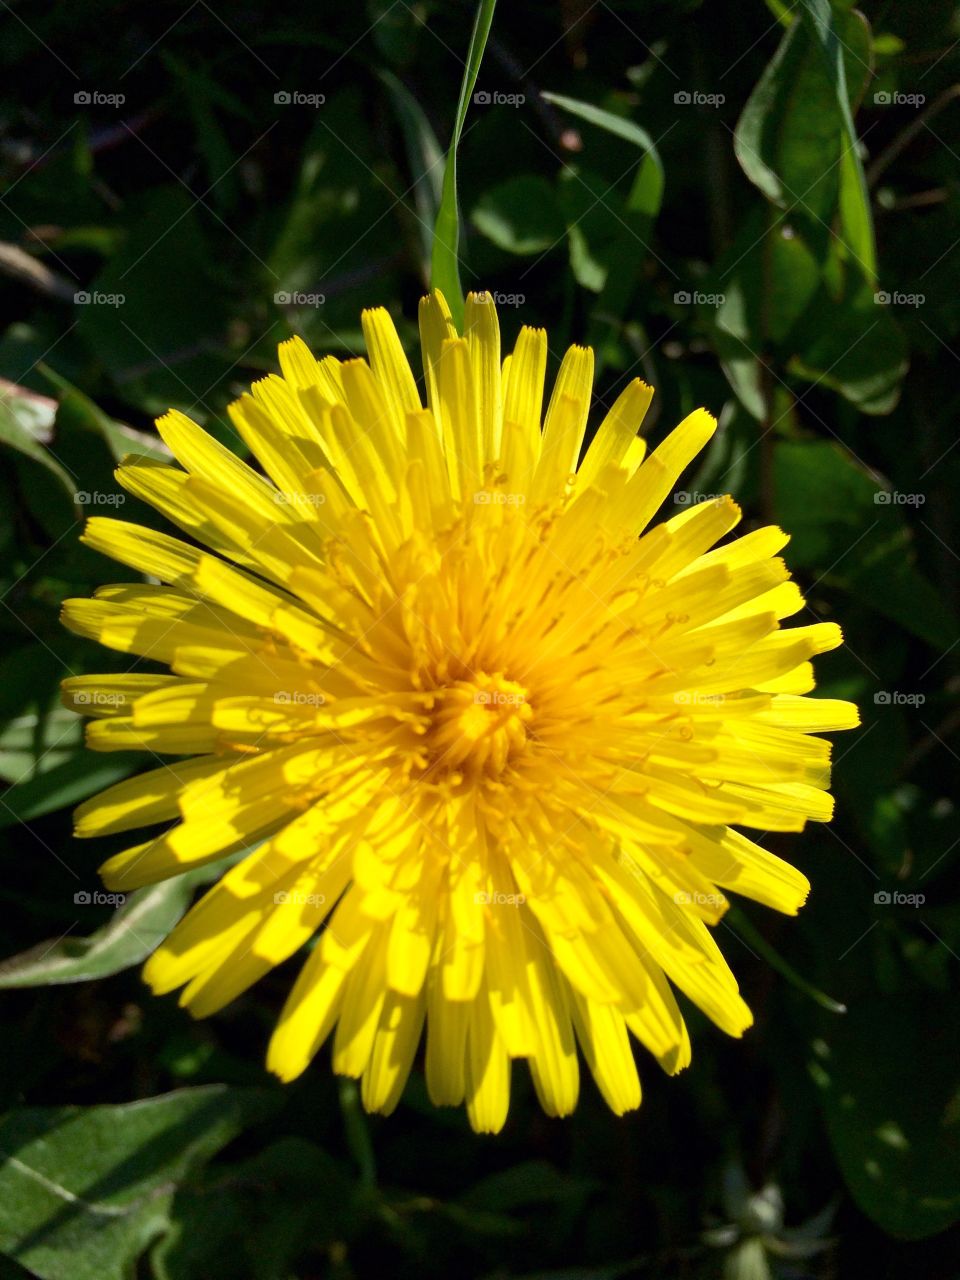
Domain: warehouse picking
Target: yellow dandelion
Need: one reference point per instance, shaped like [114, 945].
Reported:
[480, 735]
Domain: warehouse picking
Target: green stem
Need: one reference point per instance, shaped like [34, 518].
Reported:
[741, 925]
[358, 1133]
[445, 260]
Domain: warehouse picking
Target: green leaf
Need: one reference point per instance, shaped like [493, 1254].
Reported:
[606, 120]
[845, 529]
[858, 350]
[796, 139]
[163, 272]
[532, 1182]
[36, 742]
[445, 263]
[77, 412]
[136, 929]
[83, 1191]
[75, 775]
[894, 1126]
[629, 246]
[26, 427]
[520, 215]
[271, 1209]
[424, 156]
[740, 924]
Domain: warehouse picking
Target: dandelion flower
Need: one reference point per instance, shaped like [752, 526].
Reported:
[478, 734]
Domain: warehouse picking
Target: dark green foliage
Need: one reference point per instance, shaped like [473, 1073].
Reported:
[754, 207]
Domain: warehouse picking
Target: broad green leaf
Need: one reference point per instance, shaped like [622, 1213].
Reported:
[84, 1190]
[38, 741]
[290, 1199]
[26, 428]
[845, 527]
[894, 1126]
[136, 929]
[73, 775]
[857, 349]
[163, 275]
[796, 140]
[532, 1182]
[336, 217]
[445, 262]
[520, 215]
[630, 244]
[77, 412]
[589, 224]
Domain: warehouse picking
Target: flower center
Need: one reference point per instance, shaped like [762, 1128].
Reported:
[478, 726]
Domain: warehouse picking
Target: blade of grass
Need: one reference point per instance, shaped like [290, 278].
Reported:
[425, 157]
[445, 263]
[738, 922]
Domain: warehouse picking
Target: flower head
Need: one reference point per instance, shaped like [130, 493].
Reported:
[480, 735]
